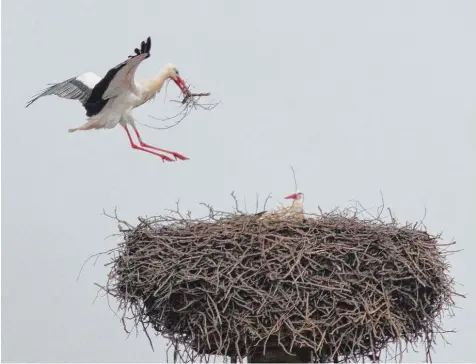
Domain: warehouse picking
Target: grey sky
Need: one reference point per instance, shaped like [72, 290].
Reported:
[358, 96]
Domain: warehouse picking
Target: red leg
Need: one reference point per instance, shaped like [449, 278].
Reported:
[134, 146]
[175, 154]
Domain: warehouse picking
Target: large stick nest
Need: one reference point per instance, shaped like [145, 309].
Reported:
[228, 284]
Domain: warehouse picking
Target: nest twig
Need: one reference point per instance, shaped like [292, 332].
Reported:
[230, 283]
[189, 102]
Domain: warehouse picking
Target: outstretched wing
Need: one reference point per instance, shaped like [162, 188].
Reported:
[76, 88]
[121, 77]
[94, 92]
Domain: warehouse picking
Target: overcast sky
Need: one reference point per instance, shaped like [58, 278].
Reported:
[360, 97]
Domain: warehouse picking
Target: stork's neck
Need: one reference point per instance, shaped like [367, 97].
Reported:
[152, 86]
[297, 205]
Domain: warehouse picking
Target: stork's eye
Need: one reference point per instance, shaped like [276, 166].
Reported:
[176, 71]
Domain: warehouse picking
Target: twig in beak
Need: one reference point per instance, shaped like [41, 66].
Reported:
[189, 102]
[189, 95]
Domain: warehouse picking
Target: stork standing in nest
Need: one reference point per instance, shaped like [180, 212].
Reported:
[295, 210]
[109, 100]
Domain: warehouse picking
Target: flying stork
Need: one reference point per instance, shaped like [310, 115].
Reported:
[110, 100]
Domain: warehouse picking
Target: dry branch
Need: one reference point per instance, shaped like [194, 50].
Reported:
[189, 102]
[229, 284]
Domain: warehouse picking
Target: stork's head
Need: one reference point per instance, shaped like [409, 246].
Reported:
[295, 196]
[173, 73]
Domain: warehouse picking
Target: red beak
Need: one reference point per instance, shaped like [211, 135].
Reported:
[293, 196]
[181, 84]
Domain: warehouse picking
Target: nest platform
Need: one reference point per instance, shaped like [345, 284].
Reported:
[338, 287]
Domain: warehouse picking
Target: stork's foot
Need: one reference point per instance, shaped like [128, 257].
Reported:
[165, 158]
[174, 154]
[179, 156]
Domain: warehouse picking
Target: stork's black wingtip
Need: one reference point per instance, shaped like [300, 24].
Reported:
[149, 44]
[144, 48]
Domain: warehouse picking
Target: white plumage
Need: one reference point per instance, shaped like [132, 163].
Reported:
[294, 211]
[90, 79]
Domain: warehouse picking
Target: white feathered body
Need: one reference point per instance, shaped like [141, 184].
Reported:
[119, 108]
[294, 211]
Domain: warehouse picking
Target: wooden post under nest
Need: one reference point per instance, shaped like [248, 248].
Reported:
[278, 355]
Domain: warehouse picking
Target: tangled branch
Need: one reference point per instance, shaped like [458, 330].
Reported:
[189, 102]
[231, 283]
